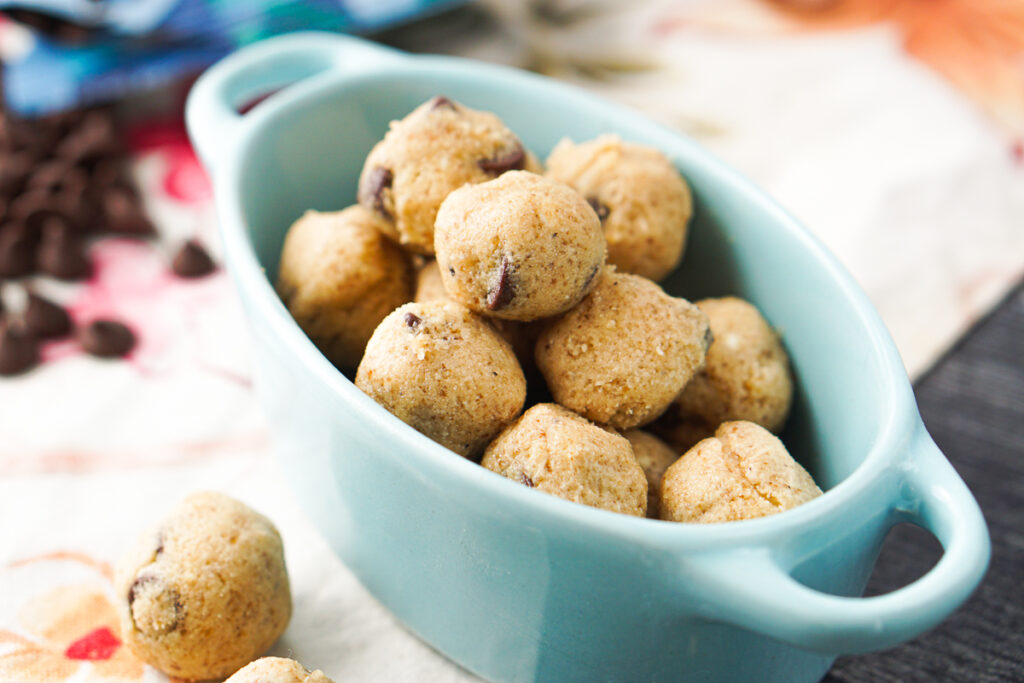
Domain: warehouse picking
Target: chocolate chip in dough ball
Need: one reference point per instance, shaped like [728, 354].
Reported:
[205, 591]
[437, 148]
[624, 353]
[277, 670]
[654, 456]
[742, 472]
[642, 201]
[520, 247]
[746, 376]
[556, 451]
[442, 369]
[339, 276]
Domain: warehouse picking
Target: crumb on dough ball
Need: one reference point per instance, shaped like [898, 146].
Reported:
[339, 277]
[746, 376]
[442, 369]
[520, 247]
[624, 353]
[437, 148]
[277, 670]
[643, 202]
[742, 472]
[205, 591]
[654, 456]
[556, 451]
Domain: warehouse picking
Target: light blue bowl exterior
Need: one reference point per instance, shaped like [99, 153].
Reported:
[516, 585]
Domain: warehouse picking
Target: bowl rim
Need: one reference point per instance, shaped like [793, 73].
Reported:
[889, 444]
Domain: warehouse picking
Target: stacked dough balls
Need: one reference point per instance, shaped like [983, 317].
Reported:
[547, 281]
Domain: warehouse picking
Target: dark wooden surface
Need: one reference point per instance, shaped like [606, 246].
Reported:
[973, 405]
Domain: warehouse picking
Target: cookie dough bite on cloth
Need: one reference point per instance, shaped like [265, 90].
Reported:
[624, 353]
[277, 670]
[443, 370]
[437, 148]
[742, 472]
[556, 451]
[642, 201]
[205, 591]
[654, 456]
[746, 376]
[339, 276]
[520, 247]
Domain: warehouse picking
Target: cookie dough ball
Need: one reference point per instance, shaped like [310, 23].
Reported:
[442, 369]
[339, 277]
[205, 591]
[643, 202]
[742, 472]
[654, 456]
[746, 376]
[624, 353]
[556, 451]
[277, 670]
[437, 148]
[520, 247]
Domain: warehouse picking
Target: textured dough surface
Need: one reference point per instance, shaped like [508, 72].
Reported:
[520, 247]
[644, 202]
[654, 456]
[742, 472]
[339, 277]
[746, 376]
[624, 353]
[556, 451]
[442, 369]
[206, 590]
[277, 670]
[440, 146]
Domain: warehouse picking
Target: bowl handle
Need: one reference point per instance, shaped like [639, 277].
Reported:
[755, 592]
[211, 112]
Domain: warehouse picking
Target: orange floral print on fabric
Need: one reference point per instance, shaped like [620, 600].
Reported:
[978, 45]
[65, 629]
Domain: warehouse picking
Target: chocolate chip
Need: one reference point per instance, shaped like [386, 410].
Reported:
[17, 251]
[600, 208]
[371, 192]
[525, 479]
[92, 140]
[590, 276]
[123, 214]
[412, 321]
[106, 338]
[442, 102]
[501, 291]
[33, 208]
[45, 319]
[14, 170]
[19, 351]
[154, 606]
[192, 261]
[513, 160]
[61, 252]
[709, 338]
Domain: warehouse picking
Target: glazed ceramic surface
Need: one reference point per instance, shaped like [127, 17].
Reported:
[517, 585]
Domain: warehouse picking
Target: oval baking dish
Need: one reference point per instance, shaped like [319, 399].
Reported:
[517, 585]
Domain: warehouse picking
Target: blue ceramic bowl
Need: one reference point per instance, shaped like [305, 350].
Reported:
[517, 585]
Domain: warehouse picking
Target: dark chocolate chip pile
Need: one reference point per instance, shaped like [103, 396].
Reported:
[63, 177]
